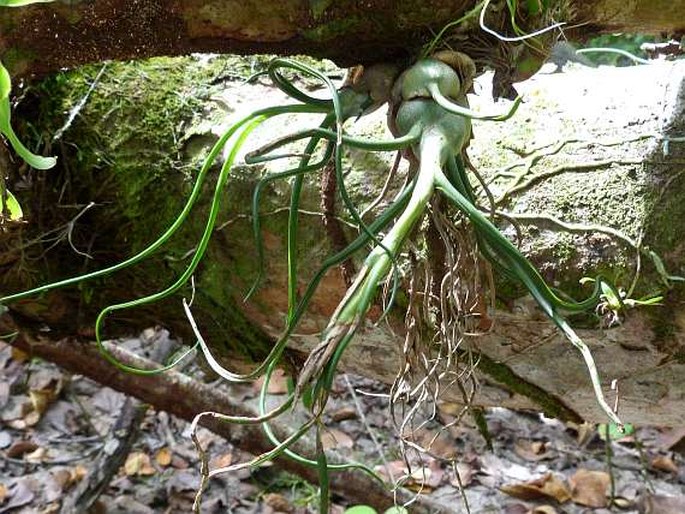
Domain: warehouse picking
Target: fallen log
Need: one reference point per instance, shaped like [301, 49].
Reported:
[47, 37]
[184, 397]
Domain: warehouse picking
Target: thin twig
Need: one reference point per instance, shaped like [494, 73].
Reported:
[79, 106]
[369, 430]
[499, 36]
[558, 170]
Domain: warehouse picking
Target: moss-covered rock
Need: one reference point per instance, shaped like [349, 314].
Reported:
[140, 131]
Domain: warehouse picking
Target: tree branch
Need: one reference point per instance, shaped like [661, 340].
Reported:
[45, 37]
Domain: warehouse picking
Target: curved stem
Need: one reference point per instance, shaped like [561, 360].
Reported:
[455, 108]
[533, 282]
[288, 452]
[301, 306]
[197, 257]
[517, 38]
[624, 53]
[36, 161]
[363, 144]
[256, 219]
[197, 188]
[354, 306]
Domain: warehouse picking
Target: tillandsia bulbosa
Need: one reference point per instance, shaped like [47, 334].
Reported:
[431, 122]
[428, 99]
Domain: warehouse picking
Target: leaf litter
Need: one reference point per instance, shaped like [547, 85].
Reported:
[53, 425]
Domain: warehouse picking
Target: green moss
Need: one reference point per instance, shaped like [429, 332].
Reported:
[666, 210]
[564, 250]
[128, 142]
[131, 127]
[17, 61]
[333, 29]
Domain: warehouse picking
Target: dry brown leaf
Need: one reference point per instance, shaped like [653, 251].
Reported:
[672, 439]
[3, 492]
[344, 413]
[437, 474]
[63, 477]
[19, 356]
[37, 456]
[466, 473]
[532, 451]
[437, 443]
[661, 504]
[544, 509]
[163, 456]
[589, 488]
[664, 463]
[221, 461]
[277, 385]
[419, 480]
[423, 478]
[18, 449]
[31, 419]
[278, 502]
[548, 486]
[515, 508]
[392, 470]
[334, 438]
[79, 472]
[179, 462]
[138, 463]
[41, 399]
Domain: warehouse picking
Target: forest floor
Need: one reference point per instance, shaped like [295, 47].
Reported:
[55, 427]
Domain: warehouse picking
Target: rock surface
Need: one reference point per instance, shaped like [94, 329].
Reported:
[620, 173]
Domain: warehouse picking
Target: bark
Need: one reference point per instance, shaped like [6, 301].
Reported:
[621, 175]
[46, 37]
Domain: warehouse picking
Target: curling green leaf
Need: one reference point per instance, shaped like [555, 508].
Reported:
[5, 82]
[20, 3]
[13, 207]
[33, 160]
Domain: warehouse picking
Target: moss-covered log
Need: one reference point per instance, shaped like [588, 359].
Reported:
[138, 138]
[48, 37]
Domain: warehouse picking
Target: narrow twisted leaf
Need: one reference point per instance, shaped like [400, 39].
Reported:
[20, 3]
[33, 160]
[13, 207]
